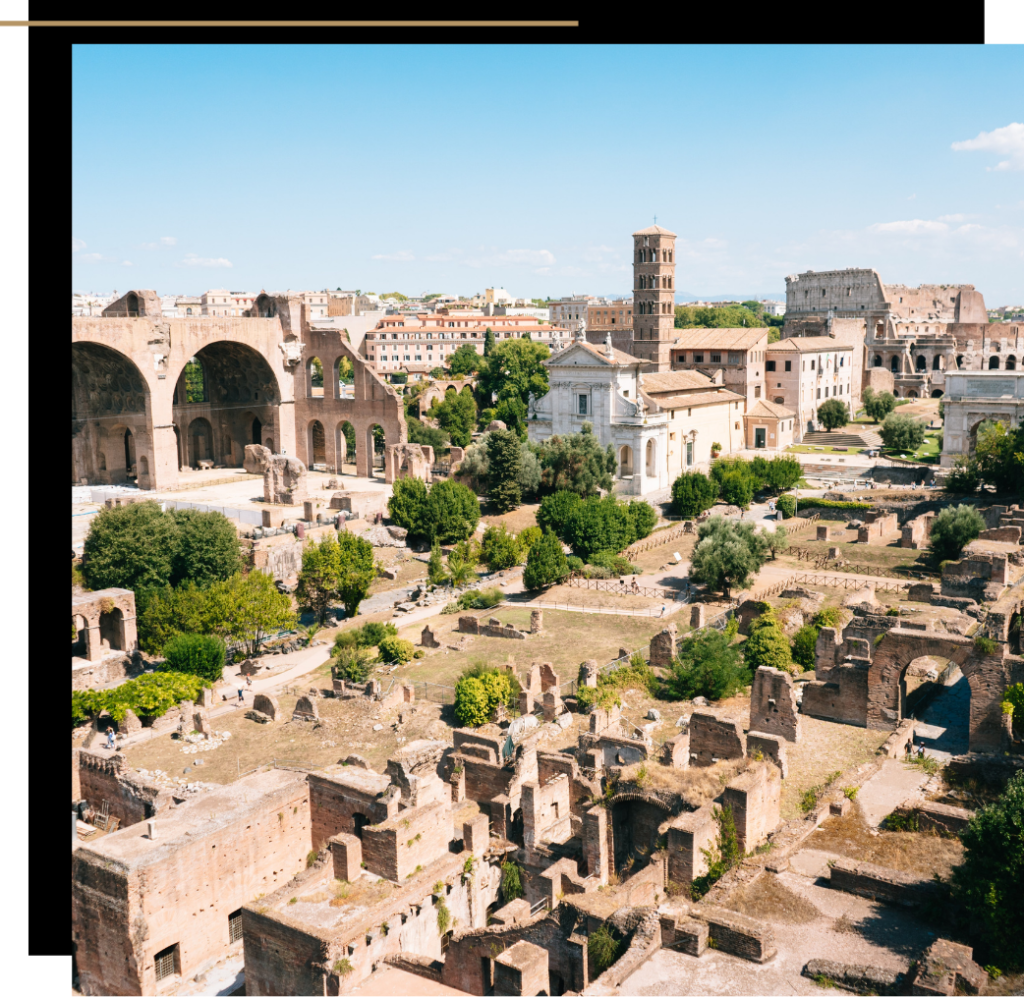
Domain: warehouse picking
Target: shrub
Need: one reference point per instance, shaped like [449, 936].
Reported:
[599, 524]
[603, 948]
[501, 549]
[371, 634]
[530, 536]
[511, 882]
[480, 599]
[737, 480]
[196, 654]
[722, 856]
[638, 674]
[395, 649]
[964, 477]
[130, 546]
[692, 493]
[830, 616]
[353, 664]
[953, 529]
[767, 645]
[706, 665]
[985, 646]
[820, 503]
[482, 689]
[804, 641]
[786, 504]
[614, 564]
[555, 510]
[206, 547]
[471, 703]
[574, 563]
[779, 473]
[146, 696]
[436, 572]
[546, 563]
[504, 453]
[833, 414]
[452, 512]
[642, 517]
[575, 462]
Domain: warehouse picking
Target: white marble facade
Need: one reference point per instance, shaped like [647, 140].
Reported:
[599, 384]
[972, 397]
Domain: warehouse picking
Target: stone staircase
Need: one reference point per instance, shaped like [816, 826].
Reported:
[835, 439]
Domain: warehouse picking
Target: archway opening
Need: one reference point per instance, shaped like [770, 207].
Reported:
[79, 637]
[894, 365]
[129, 452]
[878, 361]
[257, 432]
[937, 363]
[625, 462]
[317, 445]
[922, 364]
[200, 434]
[636, 828]
[911, 394]
[315, 378]
[375, 444]
[344, 378]
[112, 630]
[652, 469]
[359, 821]
[937, 393]
[993, 363]
[1011, 363]
[936, 693]
[345, 443]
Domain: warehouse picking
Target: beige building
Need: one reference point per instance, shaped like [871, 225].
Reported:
[419, 343]
[221, 302]
[571, 312]
[739, 353]
[497, 296]
[769, 426]
[804, 371]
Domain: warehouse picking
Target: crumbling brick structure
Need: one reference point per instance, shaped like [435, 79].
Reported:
[978, 576]
[408, 460]
[773, 706]
[876, 525]
[772, 747]
[100, 779]
[663, 647]
[754, 797]
[714, 739]
[105, 623]
[284, 478]
[915, 533]
[345, 799]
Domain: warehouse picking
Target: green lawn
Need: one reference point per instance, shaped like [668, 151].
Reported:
[927, 453]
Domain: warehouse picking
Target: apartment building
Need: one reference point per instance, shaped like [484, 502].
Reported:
[803, 371]
[221, 302]
[571, 312]
[606, 315]
[739, 353]
[418, 344]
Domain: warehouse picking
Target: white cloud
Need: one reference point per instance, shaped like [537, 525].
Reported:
[1005, 141]
[955, 218]
[191, 260]
[402, 256]
[77, 244]
[912, 197]
[914, 226]
[168, 240]
[96, 258]
[127, 263]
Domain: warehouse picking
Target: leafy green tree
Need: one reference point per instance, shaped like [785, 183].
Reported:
[529, 471]
[452, 512]
[737, 480]
[166, 612]
[804, 642]
[437, 373]
[514, 369]
[131, 547]
[512, 412]
[953, 529]
[833, 414]
[420, 433]
[642, 517]
[597, 525]
[603, 949]
[998, 455]
[353, 664]
[727, 554]
[545, 564]
[901, 432]
[555, 510]
[196, 654]
[576, 462]
[989, 882]
[457, 416]
[149, 695]
[777, 474]
[728, 317]
[965, 477]
[501, 549]
[767, 644]
[787, 506]
[471, 702]
[435, 568]
[692, 493]
[357, 570]
[407, 505]
[706, 665]
[878, 406]
[320, 575]
[252, 609]
[206, 548]
[465, 360]
[530, 536]
[488, 343]
[776, 540]
[504, 457]
[460, 564]
[395, 649]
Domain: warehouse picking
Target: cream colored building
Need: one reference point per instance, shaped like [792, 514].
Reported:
[803, 371]
[769, 426]
[498, 296]
[739, 353]
[658, 424]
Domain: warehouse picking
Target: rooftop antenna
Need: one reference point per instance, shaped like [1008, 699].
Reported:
[655, 219]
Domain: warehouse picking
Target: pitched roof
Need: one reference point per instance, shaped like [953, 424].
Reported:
[654, 230]
[807, 344]
[618, 356]
[676, 380]
[722, 395]
[765, 408]
[726, 339]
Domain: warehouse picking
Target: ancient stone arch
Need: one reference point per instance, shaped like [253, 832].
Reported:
[987, 674]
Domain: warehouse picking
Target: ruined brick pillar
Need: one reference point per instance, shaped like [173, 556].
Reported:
[476, 835]
[588, 673]
[663, 647]
[595, 843]
[697, 616]
[347, 853]
[536, 621]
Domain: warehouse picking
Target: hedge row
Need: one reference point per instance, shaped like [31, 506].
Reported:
[817, 503]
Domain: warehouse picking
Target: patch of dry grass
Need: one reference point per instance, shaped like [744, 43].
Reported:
[922, 853]
[696, 786]
[769, 900]
[517, 520]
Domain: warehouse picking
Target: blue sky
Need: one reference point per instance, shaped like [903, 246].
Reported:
[451, 168]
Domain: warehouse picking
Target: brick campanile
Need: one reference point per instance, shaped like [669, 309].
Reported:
[654, 270]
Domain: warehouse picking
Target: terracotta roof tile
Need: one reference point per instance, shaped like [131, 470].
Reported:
[726, 339]
[807, 344]
[765, 408]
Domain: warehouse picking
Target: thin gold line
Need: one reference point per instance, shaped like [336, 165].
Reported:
[289, 24]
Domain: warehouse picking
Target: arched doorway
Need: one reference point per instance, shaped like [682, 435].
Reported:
[938, 363]
[359, 821]
[922, 364]
[79, 637]
[652, 467]
[317, 447]
[200, 435]
[911, 394]
[129, 452]
[375, 444]
[993, 363]
[345, 447]
[878, 361]
[314, 378]
[1011, 363]
[257, 432]
[625, 462]
[112, 630]
[937, 393]
[894, 365]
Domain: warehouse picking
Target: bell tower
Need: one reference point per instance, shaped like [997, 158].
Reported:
[654, 273]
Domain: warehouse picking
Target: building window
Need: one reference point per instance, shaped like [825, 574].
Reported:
[698, 358]
[769, 366]
[842, 361]
[689, 453]
[167, 962]
[757, 390]
[235, 926]
[819, 392]
[812, 365]
[716, 357]
[582, 404]
[789, 365]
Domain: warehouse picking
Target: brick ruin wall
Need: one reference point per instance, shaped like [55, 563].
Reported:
[754, 798]
[334, 807]
[123, 915]
[773, 706]
[411, 838]
[100, 779]
[714, 738]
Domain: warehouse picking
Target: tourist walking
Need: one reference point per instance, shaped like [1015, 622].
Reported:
[241, 698]
[110, 738]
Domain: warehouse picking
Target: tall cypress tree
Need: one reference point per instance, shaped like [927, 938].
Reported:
[488, 343]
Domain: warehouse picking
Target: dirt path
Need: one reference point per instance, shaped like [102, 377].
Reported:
[886, 790]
